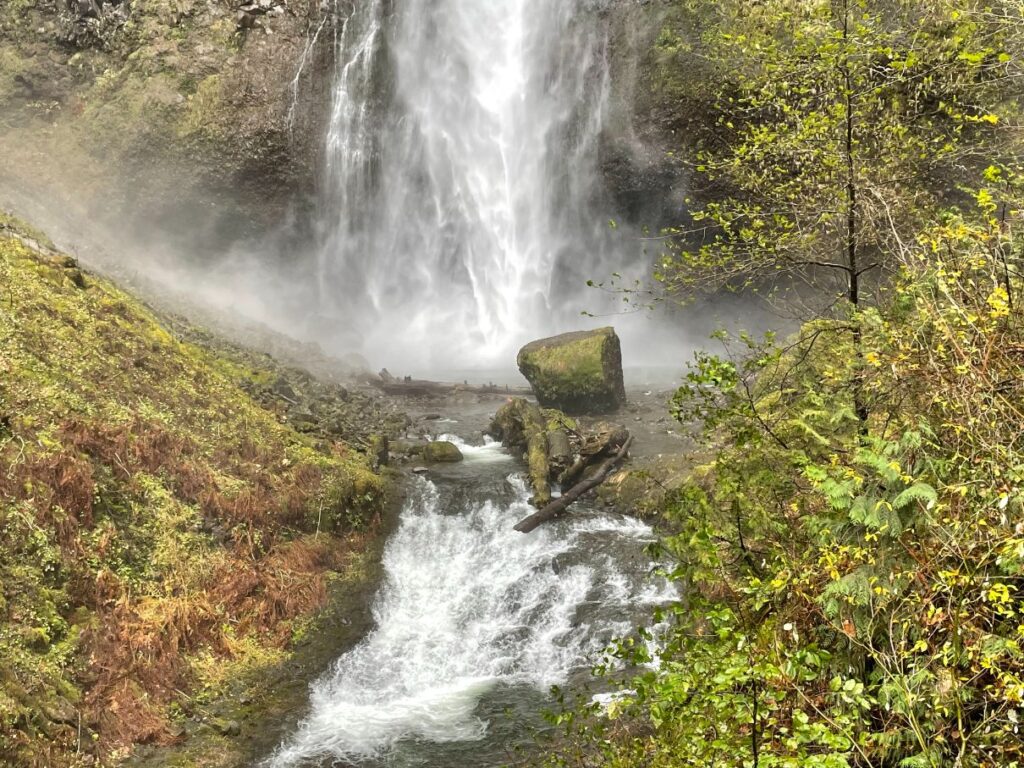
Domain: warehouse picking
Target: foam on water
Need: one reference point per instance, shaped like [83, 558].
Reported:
[467, 604]
[490, 451]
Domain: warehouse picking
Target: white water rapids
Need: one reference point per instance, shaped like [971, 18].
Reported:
[461, 197]
[469, 608]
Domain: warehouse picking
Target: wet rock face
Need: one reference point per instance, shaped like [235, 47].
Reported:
[196, 122]
[578, 373]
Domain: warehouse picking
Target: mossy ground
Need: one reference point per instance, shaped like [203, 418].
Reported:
[162, 534]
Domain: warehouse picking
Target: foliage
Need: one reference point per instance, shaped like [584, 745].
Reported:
[840, 124]
[853, 591]
[851, 557]
[154, 518]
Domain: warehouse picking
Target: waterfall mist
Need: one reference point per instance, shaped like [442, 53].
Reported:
[460, 208]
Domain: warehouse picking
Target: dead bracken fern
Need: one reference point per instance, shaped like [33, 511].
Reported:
[151, 514]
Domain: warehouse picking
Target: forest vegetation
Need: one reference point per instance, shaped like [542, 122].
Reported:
[851, 547]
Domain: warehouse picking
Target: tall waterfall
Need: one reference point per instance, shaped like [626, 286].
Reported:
[460, 190]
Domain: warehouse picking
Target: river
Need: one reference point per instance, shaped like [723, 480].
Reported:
[475, 623]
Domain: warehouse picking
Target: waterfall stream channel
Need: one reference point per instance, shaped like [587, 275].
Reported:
[474, 623]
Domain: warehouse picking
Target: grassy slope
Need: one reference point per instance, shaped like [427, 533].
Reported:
[160, 532]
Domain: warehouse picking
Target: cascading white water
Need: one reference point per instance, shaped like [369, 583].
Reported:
[468, 604]
[461, 175]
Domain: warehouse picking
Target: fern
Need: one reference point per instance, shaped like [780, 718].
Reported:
[881, 465]
[876, 515]
[853, 589]
[921, 492]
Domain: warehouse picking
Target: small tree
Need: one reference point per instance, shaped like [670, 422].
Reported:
[841, 124]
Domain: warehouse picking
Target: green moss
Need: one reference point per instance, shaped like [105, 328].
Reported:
[141, 481]
[577, 372]
[202, 110]
[555, 420]
[520, 424]
[441, 451]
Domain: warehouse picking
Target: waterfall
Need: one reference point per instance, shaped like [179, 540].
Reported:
[468, 605]
[460, 202]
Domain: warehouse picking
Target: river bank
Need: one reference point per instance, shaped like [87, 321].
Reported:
[175, 511]
[242, 723]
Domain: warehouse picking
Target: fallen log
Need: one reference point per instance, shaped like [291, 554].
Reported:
[421, 388]
[604, 443]
[410, 387]
[559, 505]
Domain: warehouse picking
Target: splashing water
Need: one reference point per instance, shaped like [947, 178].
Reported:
[461, 177]
[468, 605]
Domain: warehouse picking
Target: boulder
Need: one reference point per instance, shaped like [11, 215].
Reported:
[520, 425]
[579, 373]
[441, 450]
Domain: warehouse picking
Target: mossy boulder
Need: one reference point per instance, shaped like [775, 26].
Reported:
[519, 424]
[441, 451]
[579, 373]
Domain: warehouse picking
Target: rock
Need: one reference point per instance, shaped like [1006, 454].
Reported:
[77, 278]
[420, 470]
[225, 727]
[520, 424]
[441, 450]
[302, 419]
[60, 710]
[579, 373]
[283, 388]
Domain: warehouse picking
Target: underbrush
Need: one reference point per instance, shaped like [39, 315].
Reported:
[852, 556]
[155, 520]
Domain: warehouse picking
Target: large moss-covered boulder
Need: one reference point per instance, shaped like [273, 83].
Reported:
[578, 373]
[441, 451]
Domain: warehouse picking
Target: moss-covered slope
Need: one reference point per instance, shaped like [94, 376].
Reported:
[158, 528]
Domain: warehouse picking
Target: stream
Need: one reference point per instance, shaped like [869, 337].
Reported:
[475, 623]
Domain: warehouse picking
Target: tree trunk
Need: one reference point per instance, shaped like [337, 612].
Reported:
[559, 505]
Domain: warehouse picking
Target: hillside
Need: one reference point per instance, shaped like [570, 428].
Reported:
[163, 532]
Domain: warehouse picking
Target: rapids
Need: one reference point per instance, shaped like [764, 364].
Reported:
[472, 620]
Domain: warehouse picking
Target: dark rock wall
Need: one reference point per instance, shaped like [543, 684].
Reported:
[191, 116]
[662, 110]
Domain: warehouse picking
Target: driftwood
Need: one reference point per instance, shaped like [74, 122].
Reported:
[604, 443]
[423, 387]
[559, 505]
